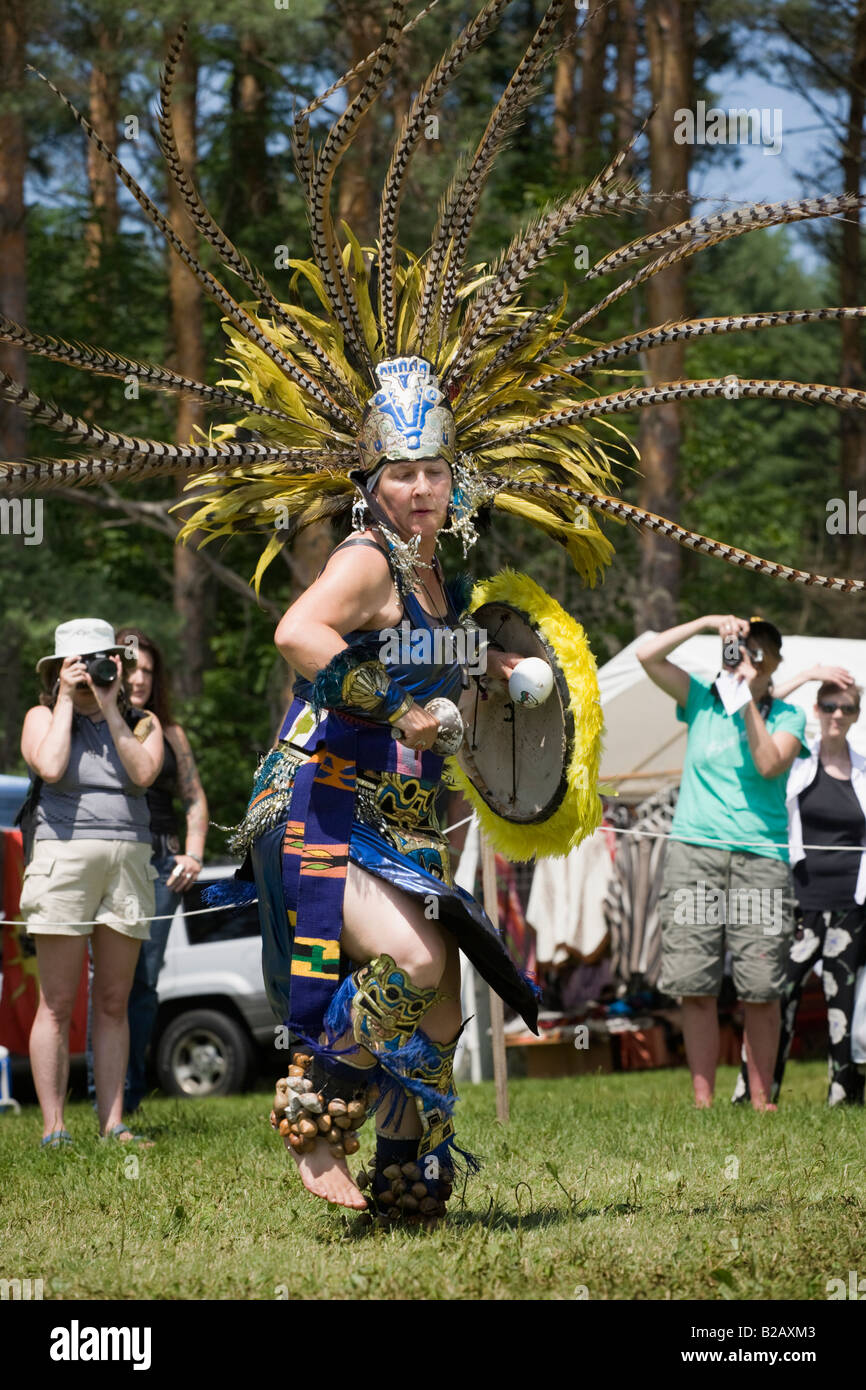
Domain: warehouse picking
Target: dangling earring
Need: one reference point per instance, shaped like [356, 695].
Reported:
[468, 494]
[359, 513]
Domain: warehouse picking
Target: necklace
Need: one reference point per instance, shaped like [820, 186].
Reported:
[436, 568]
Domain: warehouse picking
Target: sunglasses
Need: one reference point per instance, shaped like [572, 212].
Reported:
[831, 706]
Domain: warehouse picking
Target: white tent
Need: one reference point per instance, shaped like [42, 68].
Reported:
[644, 742]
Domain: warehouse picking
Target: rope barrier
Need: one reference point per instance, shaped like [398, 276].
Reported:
[708, 843]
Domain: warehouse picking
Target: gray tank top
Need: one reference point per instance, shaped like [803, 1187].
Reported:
[95, 798]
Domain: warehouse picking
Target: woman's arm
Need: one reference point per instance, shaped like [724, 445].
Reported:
[190, 792]
[652, 653]
[836, 674]
[772, 754]
[354, 591]
[45, 739]
[140, 752]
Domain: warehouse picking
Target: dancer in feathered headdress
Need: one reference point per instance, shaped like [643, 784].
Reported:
[420, 391]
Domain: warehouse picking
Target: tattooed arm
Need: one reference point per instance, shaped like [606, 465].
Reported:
[191, 794]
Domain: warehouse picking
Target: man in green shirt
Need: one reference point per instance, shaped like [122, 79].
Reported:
[727, 884]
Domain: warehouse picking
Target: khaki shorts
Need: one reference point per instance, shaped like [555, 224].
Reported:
[69, 881]
[718, 899]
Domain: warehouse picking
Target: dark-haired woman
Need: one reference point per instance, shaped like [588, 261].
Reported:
[826, 800]
[177, 779]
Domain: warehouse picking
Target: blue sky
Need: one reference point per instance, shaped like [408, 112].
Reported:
[796, 172]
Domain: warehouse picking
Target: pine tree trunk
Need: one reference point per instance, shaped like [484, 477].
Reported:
[13, 224]
[250, 193]
[563, 103]
[355, 198]
[191, 587]
[101, 230]
[626, 63]
[590, 105]
[670, 55]
[852, 430]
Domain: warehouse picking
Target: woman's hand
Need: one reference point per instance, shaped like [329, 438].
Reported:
[73, 673]
[727, 625]
[106, 695]
[418, 729]
[500, 665]
[184, 874]
[836, 675]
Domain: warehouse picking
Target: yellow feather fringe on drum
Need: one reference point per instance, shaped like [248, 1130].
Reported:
[579, 812]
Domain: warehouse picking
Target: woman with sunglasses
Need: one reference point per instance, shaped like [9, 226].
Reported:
[826, 800]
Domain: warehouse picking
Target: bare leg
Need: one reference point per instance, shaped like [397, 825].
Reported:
[380, 920]
[762, 1024]
[701, 1037]
[114, 961]
[59, 959]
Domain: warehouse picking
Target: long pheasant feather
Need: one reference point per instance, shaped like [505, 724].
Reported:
[217, 292]
[692, 540]
[427, 100]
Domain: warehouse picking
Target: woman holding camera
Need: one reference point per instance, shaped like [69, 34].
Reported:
[90, 872]
[728, 845]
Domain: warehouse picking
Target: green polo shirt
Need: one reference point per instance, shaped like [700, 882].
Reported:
[723, 796]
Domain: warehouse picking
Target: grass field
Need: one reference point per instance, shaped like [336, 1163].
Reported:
[600, 1187]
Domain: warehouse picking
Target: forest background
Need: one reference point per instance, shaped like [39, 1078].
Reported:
[78, 260]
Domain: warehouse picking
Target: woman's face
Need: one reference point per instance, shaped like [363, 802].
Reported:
[415, 494]
[837, 712]
[139, 682]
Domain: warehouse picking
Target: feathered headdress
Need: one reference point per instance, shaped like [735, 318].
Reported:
[526, 417]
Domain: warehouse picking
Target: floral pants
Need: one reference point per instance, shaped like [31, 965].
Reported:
[838, 939]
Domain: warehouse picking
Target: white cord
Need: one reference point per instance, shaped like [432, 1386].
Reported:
[709, 843]
[163, 917]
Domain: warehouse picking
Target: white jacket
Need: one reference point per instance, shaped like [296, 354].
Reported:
[799, 778]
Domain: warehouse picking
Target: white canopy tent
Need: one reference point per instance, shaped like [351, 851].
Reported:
[644, 742]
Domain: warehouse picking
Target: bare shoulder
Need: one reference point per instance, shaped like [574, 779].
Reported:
[147, 725]
[352, 559]
[37, 717]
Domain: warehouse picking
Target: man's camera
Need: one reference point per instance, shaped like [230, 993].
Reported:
[100, 668]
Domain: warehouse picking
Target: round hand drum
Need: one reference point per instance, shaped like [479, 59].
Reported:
[517, 756]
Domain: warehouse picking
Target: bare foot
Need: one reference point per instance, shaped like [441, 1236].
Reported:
[703, 1102]
[327, 1176]
[763, 1105]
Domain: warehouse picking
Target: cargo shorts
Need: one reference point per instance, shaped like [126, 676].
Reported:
[713, 900]
[70, 884]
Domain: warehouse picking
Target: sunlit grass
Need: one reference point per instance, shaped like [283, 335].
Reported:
[606, 1187]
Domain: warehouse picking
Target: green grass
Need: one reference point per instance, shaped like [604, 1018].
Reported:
[612, 1184]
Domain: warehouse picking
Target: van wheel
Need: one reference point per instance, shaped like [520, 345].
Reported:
[203, 1053]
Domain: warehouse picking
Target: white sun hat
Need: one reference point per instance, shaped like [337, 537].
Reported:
[81, 637]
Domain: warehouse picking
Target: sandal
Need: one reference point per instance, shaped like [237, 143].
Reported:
[57, 1139]
[120, 1129]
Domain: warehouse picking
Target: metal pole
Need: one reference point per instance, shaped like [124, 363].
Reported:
[497, 1030]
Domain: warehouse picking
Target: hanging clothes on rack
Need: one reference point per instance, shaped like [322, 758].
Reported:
[631, 904]
[566, 901]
